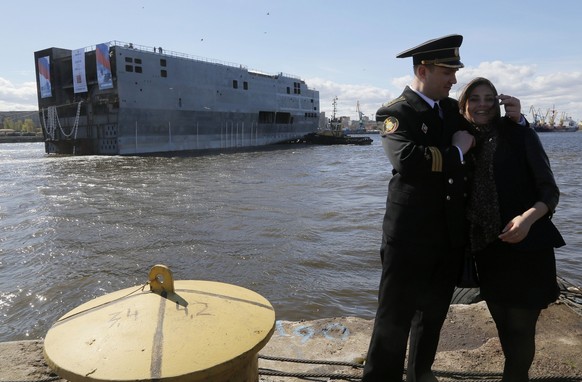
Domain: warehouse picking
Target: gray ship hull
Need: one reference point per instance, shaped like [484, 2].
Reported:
[168, 103]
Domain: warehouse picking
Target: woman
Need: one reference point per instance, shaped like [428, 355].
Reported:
[513, 196]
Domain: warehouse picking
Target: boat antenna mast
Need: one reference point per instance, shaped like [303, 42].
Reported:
[360, 115]
[335, 125]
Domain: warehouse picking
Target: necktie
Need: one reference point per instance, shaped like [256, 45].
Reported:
[437, 110]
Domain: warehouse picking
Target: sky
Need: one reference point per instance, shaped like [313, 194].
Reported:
[530, 49]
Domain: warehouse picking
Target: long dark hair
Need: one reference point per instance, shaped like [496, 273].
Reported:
[468, 89]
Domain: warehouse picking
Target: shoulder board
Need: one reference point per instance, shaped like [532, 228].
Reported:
[389, 103]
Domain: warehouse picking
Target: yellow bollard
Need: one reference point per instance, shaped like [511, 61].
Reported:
[184, 330]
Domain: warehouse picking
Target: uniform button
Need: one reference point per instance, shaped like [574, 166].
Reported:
[451, 181]
[448, 197]
[462, 162]
[465, 179]
[465, 195]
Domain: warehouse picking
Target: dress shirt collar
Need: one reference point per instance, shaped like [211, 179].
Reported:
[430, 102]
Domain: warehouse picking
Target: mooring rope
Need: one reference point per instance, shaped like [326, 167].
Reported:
[449, 375]
[316, 361]
[49, 379]
[474, 376]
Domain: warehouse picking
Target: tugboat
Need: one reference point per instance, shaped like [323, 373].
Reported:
[334, 135]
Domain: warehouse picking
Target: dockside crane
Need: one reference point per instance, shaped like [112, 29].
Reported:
[535, 114]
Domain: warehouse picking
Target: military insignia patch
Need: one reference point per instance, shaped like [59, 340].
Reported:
[424, 128]
[390, 125]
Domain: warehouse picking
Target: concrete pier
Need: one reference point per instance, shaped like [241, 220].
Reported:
[469, 343]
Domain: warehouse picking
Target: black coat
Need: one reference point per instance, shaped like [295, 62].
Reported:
[523, 177]
[428, 190]
[521, 275]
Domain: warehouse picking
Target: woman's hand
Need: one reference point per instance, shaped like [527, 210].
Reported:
[512, 107]
[516, 230]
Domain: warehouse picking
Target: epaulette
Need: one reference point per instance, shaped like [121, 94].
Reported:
[390, 103]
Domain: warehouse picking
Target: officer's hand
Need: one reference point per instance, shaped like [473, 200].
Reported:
[463, 140]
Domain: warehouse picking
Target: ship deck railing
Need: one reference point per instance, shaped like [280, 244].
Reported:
[153, 49]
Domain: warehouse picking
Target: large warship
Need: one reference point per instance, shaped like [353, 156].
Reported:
[123, 99]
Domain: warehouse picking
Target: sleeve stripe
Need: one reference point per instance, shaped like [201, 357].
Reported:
[437, 159]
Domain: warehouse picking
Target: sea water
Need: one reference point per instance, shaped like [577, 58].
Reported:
[300, 225]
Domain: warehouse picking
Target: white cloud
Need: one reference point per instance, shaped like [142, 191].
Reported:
[17, 97]
[401, 82]
[348, 95]
[558, 90]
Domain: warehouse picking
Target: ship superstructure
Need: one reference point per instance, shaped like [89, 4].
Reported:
[122, 99]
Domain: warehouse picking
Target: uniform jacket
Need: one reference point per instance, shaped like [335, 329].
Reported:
[523, 176]
[427, 192]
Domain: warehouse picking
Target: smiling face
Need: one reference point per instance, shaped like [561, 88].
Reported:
[479, 103]
[436, 81]
[481, 106]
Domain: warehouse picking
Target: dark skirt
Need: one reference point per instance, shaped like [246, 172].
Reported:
[519, 279]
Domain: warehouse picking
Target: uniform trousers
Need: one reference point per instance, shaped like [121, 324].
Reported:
[415, 292]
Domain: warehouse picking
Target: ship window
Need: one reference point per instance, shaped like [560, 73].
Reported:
[129, 68]
[128, 59]
[288, 90]
[296, 88]
[164, 73]
[162, 62]
[266, 117]
[138, 61]
[245, 85]
[235, 84]
[138, 69]
[283, 118]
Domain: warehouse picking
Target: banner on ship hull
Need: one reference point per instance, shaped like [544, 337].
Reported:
[79, 77]
[104, 77]
[44, 76]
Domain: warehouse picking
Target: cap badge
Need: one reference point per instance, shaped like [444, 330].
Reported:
[424, 128]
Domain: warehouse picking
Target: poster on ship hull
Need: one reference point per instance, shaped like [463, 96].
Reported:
[104, 77]
[44, 76]
[79, 77]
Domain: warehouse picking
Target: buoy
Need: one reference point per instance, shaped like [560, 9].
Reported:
[183, 330]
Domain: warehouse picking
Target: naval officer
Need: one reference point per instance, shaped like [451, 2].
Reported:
[423, 229]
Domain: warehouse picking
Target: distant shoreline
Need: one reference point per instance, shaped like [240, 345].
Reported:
[20, 139]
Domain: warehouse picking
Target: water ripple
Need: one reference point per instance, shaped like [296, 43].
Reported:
[301, 226]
